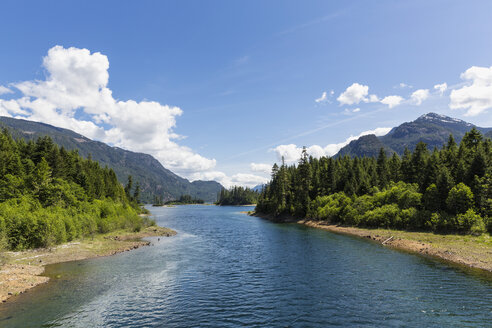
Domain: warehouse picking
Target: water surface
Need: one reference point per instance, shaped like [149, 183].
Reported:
[226, 269]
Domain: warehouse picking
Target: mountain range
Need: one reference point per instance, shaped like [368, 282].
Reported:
[154, 179]
[433, 129]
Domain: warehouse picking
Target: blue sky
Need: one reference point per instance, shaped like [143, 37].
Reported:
[210, 87]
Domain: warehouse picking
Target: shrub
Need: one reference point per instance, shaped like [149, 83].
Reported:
[470, 222]
[460, 199]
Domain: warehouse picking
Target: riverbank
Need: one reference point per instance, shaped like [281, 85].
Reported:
[467, 250]
[21, 271]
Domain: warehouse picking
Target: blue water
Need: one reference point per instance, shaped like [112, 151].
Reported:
[226, 269]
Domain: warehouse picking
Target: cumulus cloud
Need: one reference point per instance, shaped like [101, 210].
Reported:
[76, 83]
[4, 90]
[441, 88]
[356, 110]
[392, 101]
[291, 153]
[260, 167]
[243, 179]
[476, 97]
[323, 98]
[419, 96]
[356, 93]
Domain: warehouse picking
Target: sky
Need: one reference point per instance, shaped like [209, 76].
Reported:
[220, 90]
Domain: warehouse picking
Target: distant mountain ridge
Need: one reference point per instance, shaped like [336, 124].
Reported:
[433, 129]
[154, 178]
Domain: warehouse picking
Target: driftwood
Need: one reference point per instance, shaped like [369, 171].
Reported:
[384, 242]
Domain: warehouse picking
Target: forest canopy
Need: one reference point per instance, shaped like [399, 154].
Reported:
[49, 195]
[443, 190]
[237, 196]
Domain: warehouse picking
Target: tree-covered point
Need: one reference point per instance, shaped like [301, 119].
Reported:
[446, 190]
[237, 196]
[49, 195]
[183, 200]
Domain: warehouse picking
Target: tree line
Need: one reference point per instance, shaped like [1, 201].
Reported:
[49, 195]
[237, 196]
[443, 190]
[182, 200]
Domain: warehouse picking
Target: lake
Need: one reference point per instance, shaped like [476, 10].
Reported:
[227, 269]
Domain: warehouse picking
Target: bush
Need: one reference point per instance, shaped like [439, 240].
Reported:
[24, 223]
[460, 199]
[470, 222]
[331, 207]
[438, 222]
[381, 217]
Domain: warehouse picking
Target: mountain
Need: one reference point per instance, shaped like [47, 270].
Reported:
[258, 188]
[433, 129]
[368, 145]
[154, 178]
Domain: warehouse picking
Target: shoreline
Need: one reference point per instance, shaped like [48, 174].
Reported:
[465, 250]
[22, 270]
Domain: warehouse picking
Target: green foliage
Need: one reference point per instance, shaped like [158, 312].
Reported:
[237, 196]
[49, 196]
[183, 200]
[460, 199]
[448, 190]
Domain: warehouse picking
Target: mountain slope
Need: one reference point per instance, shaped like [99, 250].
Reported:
[433, 129]
[154, 179]
[368, 146]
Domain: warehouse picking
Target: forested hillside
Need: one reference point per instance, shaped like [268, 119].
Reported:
[154, 179]
[446, 190]
[49, 195]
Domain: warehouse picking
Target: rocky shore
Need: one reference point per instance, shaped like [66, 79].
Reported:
[21, 271]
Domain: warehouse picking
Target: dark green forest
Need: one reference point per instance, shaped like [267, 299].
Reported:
[447, 190]
[237, 196]
[183, 200]
[49, 195]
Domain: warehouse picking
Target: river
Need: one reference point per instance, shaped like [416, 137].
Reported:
[226, 269]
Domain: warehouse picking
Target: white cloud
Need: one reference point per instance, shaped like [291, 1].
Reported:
[403, 85]
[292, 153]
[419, 96]
[248, 180]
[260, 167]
[77, 83]
[441, 88]
[323, 98]
[476, 97]
[349, 111]
[4, 90]
[392, 101]
[242, 179]
[356, 93]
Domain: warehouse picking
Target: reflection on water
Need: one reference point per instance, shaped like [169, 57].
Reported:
[225, 269]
